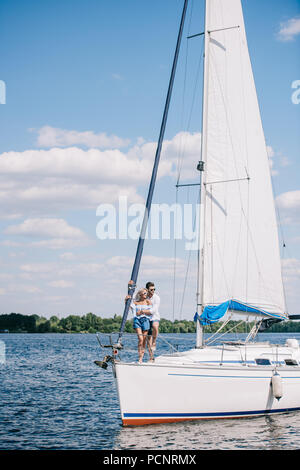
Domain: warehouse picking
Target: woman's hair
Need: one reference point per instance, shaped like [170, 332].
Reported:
[138, 295]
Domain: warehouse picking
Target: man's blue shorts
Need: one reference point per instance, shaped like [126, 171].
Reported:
[141, 322]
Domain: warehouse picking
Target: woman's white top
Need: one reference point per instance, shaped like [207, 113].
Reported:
[135, 308]
[155, 300]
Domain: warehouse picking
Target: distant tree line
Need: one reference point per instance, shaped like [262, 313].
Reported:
[90, 323]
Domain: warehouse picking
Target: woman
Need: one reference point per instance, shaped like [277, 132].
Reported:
[142, 312]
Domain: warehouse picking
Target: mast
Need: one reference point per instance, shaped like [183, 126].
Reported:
[201, 232]
[137, 261]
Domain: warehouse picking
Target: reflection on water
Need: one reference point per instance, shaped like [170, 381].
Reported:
[262, 433]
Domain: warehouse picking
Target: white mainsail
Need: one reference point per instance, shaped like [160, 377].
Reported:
[241, 257]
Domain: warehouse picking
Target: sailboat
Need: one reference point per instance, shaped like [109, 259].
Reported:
[239, 269]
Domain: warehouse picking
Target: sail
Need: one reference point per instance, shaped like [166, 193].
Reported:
[241, 257]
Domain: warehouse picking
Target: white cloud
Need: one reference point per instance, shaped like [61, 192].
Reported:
[50, 227]
[289, 29]
[68, 256]
[117, 76]
[26, 276]
[75, 164]
[291, 267]
[113, 269]
[5, 276]
[291, 277]
[289, 206]
[35, 282]
[13, 289]
[11, 243]
[48, 181]
[270, 151]
[56, 233]
[281, 160]
[151, 266]
[58, 243]
[182, 144]
[81, 269]
[54, 137]
[30, 289]
[51, 269]
[11, 216]
[61, 284]
[271, 155]
[39, 268]
[55, 299]
[284, 161]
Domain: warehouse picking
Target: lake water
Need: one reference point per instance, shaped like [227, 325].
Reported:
[53, 396]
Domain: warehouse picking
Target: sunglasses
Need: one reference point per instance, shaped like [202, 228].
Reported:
[152, 289]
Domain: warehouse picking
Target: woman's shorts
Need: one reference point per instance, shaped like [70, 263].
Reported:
[142, 322]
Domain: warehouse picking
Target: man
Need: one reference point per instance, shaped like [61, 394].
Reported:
[154, 323]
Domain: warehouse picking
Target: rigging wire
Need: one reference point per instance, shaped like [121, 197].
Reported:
[195, 88]
[227, 331]
[247, 162]
[198, 201]
[184, 90]
[180, 158]
[284, 247]
[188, 265]
[175, 256]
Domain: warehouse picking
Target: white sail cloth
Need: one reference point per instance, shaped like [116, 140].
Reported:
[241, 249]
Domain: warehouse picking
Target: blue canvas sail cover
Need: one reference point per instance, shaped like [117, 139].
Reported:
[213, 313]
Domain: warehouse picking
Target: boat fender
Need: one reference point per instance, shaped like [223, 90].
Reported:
[277, 388]
[292, 343]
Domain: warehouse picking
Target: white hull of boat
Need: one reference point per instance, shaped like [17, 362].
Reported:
[160, 393]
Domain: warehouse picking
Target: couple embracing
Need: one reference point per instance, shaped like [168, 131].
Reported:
[146, 318]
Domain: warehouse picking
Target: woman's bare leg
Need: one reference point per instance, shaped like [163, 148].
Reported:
[141, 345]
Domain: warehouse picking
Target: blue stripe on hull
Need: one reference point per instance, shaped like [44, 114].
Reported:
[207, 415]
[233, 376]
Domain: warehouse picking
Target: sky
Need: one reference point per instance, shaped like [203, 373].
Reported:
[82, 90]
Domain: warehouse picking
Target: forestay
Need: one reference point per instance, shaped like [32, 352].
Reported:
[241, 250]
